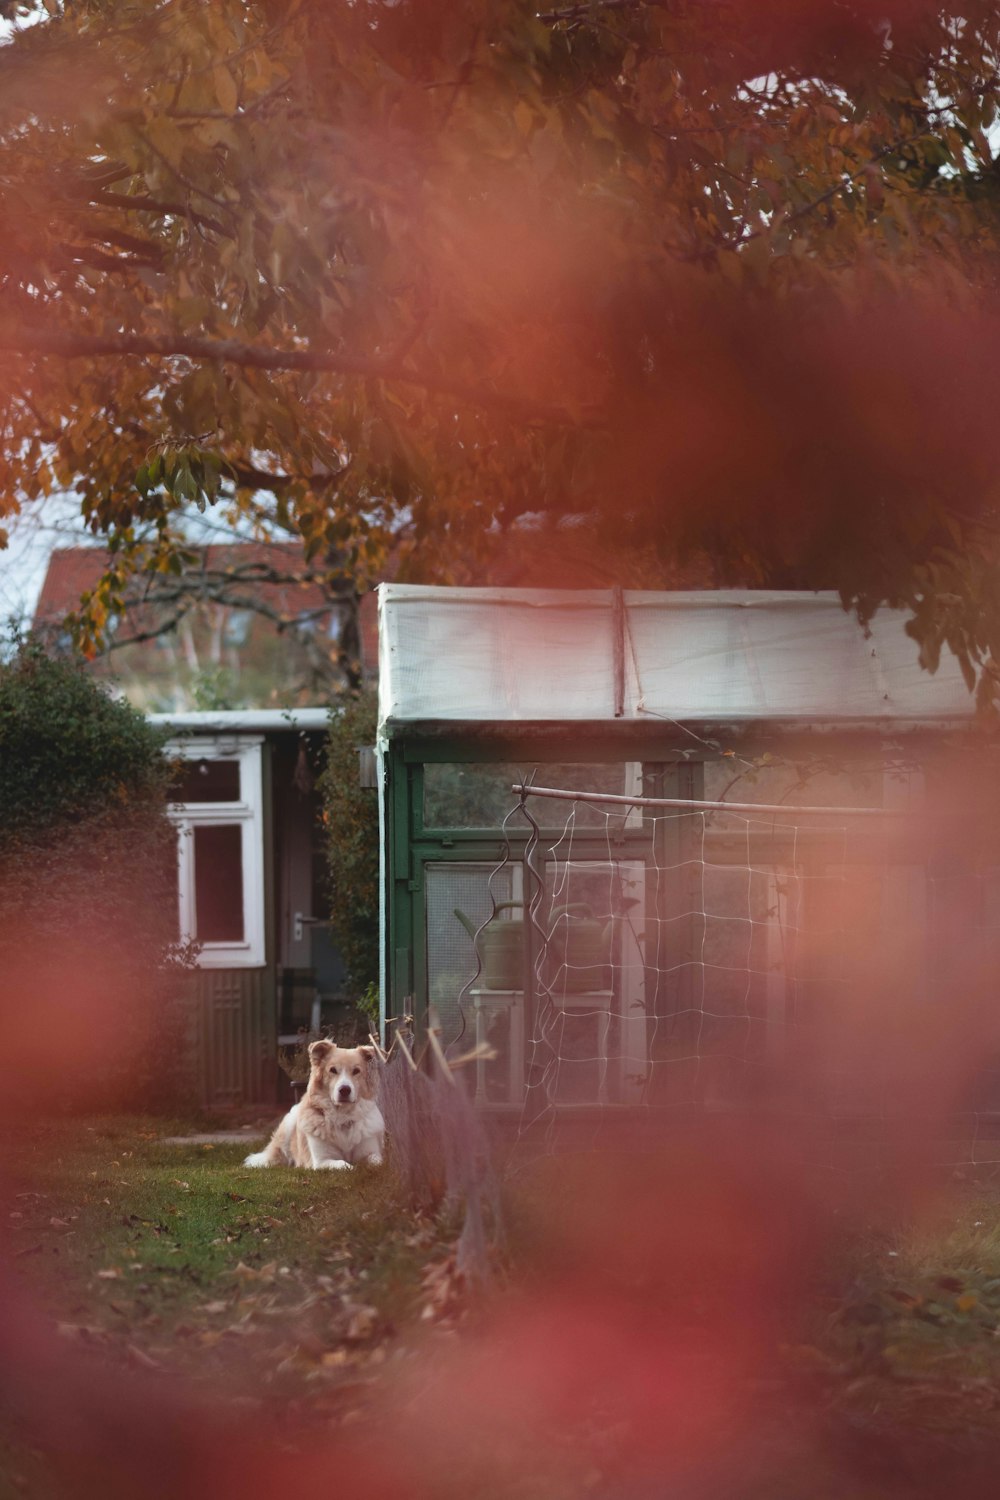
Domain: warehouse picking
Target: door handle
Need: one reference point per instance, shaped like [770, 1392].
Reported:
[300, 920]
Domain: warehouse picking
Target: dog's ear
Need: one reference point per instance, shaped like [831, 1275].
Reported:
[319, 1051]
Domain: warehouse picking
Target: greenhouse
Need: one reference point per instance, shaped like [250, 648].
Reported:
[638, 846]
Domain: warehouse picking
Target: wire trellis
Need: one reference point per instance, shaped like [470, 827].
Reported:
[684, 957]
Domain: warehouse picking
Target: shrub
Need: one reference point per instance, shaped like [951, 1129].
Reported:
[350, 818]
[88, 905]
[68, 749]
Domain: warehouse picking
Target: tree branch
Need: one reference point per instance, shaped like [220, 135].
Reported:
[842, 185]
[85, 255]
[248, 477]
[586, 10]
[215, 584]
[140, 203]
[64, 343]
[117, 641]
[147, 250]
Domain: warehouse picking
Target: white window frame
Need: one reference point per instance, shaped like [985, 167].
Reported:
[248, 815]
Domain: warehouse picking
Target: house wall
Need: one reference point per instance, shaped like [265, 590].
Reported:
[236, 1037]
[242, 1012]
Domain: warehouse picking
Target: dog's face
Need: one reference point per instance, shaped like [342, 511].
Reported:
[346, 1074]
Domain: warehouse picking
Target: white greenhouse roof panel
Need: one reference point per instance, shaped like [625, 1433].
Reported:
[533, 656]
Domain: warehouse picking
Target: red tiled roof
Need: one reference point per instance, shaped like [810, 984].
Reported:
[72, 571]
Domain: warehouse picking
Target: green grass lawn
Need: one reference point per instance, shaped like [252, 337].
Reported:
[299, 1292]
[908, 1348]
[295, 1283]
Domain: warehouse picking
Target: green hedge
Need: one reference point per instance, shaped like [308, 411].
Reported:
[88, 894]
[350, 818]
[67, 748]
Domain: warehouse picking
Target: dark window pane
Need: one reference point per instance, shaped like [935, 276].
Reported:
[207, 781]
[218, 884]
[478, 795]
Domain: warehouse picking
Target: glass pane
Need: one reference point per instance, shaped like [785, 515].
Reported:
[785, 784]
[480, 796]
[207, 781]
[218, 884]
[589, 1043]
[451, 956]
[593, 910]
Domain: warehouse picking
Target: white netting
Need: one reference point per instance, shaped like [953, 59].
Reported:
[438, 1146]
[634, 963]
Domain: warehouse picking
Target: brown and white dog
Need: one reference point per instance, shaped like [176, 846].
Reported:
[336, 1123]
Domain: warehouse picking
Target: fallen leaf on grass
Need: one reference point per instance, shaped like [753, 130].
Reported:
[444, 1286]
[361, 1322]
[214, 1307]
[60, 1223]
[243, 1272]
[140, 1358]
[110, 1273]
[132, 1219]
[86, 1332]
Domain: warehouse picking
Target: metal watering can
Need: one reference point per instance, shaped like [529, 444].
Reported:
[579, 949]
[500, 946]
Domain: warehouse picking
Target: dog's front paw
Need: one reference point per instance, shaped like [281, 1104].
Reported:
[333, 1166]
[256, 1159]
